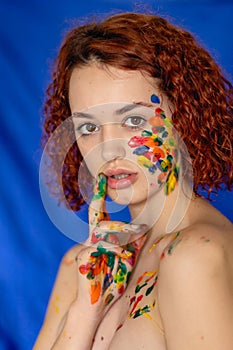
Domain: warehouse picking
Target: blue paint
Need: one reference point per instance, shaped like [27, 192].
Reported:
[154, 98]
[152, 169]
[141, 150]
[165, 134]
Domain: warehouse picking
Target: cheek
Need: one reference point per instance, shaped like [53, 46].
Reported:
[155, 149]
[90, 155]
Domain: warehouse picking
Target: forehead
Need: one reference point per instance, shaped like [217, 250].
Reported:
[93, 85]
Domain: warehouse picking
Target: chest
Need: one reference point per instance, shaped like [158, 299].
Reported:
[134, 321]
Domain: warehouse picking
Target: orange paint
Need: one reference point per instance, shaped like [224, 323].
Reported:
[84, 269]
[95, 292]
[156, 121]
[158, 152]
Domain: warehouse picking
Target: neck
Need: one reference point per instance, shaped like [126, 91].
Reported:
[164, 213]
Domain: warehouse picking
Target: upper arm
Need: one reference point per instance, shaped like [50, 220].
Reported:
[63, 294]
[195, 296]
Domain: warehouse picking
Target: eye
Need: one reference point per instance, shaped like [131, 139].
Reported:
[88, 128]
[134, 122]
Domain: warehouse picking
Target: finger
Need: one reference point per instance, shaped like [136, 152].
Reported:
[97, 208]
[107, 231]
[117, 232]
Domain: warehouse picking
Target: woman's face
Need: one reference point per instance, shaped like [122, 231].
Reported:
[123, 130]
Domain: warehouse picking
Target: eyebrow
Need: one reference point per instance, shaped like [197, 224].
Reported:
[119, 111]
[132, 106]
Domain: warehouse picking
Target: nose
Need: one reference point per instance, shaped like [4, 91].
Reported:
[112, 142]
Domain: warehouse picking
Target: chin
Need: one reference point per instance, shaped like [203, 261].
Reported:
[128, 196]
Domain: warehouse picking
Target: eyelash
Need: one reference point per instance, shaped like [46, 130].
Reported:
[134, 127]
[88, 133]
[124, 124]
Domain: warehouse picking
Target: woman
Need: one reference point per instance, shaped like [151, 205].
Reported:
[133, 85]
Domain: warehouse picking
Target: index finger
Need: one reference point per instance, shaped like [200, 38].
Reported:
[97, 209]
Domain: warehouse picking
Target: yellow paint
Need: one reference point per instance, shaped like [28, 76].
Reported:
[54, 304]
[125, 255]
[150, 274]
[57, 309]
[115, 227]
[147, 316]
[143, 161]
[155, 244]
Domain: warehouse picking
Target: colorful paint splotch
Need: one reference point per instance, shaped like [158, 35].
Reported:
[156, 150]
[100, 187]
[154, 98]
[144, 287]
[97, 208]
[171, 180]
[99, 271]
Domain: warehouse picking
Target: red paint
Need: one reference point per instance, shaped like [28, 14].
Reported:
[84, 269]
[136, 303]
[120, 325]
[121, 289]
[136, 141]
[162, 255]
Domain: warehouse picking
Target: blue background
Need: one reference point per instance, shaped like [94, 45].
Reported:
[31, 246]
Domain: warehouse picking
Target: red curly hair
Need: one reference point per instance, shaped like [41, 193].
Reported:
[202, 97]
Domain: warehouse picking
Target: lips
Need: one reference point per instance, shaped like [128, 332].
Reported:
[120, 178]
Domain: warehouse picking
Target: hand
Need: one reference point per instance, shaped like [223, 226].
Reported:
[106, 264]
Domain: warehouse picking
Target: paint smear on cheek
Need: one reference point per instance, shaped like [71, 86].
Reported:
[155, 148]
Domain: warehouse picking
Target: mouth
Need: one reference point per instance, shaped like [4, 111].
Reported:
[120, 178]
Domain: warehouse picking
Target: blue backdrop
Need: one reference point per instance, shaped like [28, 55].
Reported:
[31, 246]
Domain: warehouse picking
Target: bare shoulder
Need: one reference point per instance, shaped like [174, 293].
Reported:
[63, 294]
[200, 246]
[195, 288]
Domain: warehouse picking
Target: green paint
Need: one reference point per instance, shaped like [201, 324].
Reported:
[138, 287]
[149, 290]
[101, 250]
[142, 311]
[111, 261]
[101, 187]
[174, 244]
[108, 299]
[146, 133]
[90, 276]
[158, 141]
[128, 276]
